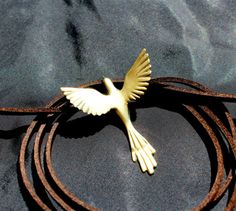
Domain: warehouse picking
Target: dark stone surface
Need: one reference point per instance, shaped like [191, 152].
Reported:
[46, 44]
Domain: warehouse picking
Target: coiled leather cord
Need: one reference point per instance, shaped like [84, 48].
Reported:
[51, 116]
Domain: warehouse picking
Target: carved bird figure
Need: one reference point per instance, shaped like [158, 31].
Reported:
[93, 102]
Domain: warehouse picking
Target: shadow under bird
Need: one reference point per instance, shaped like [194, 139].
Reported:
[93, 102]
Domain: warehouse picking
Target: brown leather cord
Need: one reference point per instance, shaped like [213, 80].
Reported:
[22, 156]
[53, 174]
[22, 165]
[40, 172]
[29, 110]
[52, 115]
[220, 164]
[208, 198]
[229, 138]
[78, 202]
[208, 93]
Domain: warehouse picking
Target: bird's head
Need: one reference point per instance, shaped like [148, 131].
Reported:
[108, 83]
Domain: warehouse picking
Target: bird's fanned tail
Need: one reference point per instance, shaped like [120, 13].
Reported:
[141, 150]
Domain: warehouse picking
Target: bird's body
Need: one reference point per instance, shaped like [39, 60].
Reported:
[93, 102]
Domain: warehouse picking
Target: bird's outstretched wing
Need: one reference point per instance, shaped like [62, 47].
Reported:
[88, 100]
[138, 77]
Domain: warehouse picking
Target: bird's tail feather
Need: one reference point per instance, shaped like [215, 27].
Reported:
[141, 150]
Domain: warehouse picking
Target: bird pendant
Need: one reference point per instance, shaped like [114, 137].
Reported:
[93, 102]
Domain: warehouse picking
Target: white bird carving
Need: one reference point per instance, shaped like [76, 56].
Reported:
[93, 102]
